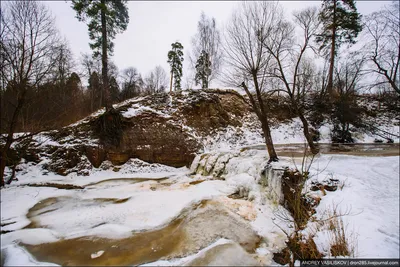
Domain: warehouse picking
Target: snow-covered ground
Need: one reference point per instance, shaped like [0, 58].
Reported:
[370, 200]
[115, 204]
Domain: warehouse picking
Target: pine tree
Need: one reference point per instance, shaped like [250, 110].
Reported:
[106, 19]
[175, 59]
[114, 90]
[341, 23]
[94, 90]
[203, 69]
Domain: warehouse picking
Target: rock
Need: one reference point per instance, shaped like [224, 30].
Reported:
[210, 164]
[153, 139]
[282, 257]
[106, 165]
[118, 158]
[64, 159]
[229, 254]
[95, 155]
[328, 185]
[97, 254]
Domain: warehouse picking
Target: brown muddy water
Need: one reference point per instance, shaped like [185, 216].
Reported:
[371, 149]
[194, 229]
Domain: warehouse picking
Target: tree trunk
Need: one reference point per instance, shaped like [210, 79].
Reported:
[329, 87]
[268, 141]
[207, 76]
[205, 85]
[91, 100]
[104, 60]
[264, 121]
[3, 158]
[314, 149]
[262, 117]
[12, 178]
[170, 83]
[295, 104]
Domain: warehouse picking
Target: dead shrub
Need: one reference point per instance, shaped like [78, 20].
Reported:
[282, 257]
[339, 241]
[294, 200]
[304, 249]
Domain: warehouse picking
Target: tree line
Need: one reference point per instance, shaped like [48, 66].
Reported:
[69, 93]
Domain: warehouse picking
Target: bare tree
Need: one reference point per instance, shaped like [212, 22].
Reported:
[132, 83]
[346, 111]
[349, 72]
[289, 59]
[65, 63]
[206, 56]
[156, 81]
[89, 65]
[189, 81]
[383, 32]
[27, 44]
[247, 58]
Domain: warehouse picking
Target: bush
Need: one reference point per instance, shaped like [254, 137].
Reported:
[304, 249]
[345, 112]
[294, 201]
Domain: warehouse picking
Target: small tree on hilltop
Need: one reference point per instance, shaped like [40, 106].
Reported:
[175, 59]
[341, 23]
[132, 83]
[206, 44]
[156, 81]
[203, 69]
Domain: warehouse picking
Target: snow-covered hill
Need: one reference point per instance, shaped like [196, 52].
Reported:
[171, 129]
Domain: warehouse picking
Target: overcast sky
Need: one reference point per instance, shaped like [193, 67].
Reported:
[154, 25]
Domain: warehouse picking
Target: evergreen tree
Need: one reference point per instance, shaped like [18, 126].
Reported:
[94, 90]
[73, 106]
[341, 23]
[106, 19]
[114, 90]
[73, 87]
[203, 69]
[175, 59]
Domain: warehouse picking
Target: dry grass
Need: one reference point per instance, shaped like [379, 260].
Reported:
[342, 242]
[304, 248]
[339, 240]
[342, 184]
[292, 187]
